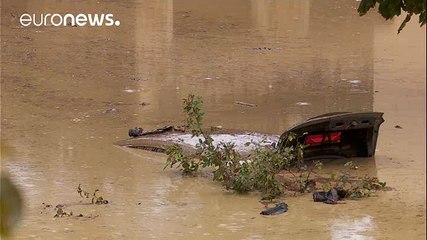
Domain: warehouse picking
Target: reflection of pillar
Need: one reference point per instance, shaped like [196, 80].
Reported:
[400, 84]
[285, 17]
[260, 13]
[154, 35]
[154, 25]
[400, 68]
[342, 54]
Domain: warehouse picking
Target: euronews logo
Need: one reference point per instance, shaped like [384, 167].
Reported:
[80, 20]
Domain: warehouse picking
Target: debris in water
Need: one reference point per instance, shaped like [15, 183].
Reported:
[110, 110]
[60, 212]
[261, 48]
[398, 127]
[246, 104]
[95, 199]
[331, 197]
[129, 90]
[76, 120]
[136, 132]
[139, 79]
[303, 103]
[354, 81]
[46, 205]
[278, 209]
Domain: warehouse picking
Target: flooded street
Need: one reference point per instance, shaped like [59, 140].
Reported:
[68, 93]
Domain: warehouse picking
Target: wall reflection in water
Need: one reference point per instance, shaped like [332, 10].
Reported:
[272, 53]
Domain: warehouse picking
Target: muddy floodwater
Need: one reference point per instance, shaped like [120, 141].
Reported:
[68, 93]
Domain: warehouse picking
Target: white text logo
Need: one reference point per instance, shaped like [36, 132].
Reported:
[81, 20]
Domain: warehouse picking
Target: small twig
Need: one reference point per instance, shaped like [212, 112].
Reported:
[246, 104]
[291, 173]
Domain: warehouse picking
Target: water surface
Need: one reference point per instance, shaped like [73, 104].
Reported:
[68, 93]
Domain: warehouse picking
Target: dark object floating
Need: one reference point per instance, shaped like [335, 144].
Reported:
[278, 209]
[335, 135]
[164, 130]
[398, 127]
[331, 197]
[136, 132]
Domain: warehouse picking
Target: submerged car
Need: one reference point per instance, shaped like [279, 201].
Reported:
[338, 134]
[332, 135]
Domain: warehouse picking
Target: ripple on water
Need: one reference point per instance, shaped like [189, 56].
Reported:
[232, 227]
[253, 237]
[354, 228]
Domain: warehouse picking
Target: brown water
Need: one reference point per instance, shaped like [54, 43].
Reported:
[60, 84]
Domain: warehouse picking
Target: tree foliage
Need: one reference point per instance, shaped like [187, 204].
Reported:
[256, 172]
[10, 205]
[11, 202]
[391, 8]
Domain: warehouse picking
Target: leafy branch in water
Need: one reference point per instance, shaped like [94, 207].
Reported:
[95, 199]
[304, 182]
[235, 172]
[193, 108]
[176, 156]
[60, 212]
[81, 192]
[60, 208]
[356, 187]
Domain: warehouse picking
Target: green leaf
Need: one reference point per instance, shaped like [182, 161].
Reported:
[365, 5]
[390, 8]
[422, 18]
[407, 19]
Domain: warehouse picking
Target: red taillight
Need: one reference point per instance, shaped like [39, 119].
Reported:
[332, 137]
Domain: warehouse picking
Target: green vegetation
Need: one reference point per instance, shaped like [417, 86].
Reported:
[95, 199]
[391, 8]
[60, 208]
[60, 212]
[234, 171]
[10, 205]
[356, 187]
[259, 170]
[11, 201]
